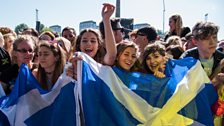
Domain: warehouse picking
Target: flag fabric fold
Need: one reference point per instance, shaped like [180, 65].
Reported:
[29, 105]
[111, 96]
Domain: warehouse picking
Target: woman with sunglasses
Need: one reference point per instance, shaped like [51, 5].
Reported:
[23, 52]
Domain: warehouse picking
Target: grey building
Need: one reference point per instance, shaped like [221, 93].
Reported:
[138, 26]
[56, 28]
[87, 24]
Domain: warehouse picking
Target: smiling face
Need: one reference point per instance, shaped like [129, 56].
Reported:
[25, 52]
[127, 58]
[69, 34]
[89, 44]
[154, 60]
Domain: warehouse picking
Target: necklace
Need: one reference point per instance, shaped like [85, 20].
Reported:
[49, 73]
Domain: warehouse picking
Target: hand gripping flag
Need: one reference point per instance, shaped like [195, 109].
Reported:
[113, 97]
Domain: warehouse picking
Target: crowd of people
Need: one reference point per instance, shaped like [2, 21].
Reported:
[46, 53]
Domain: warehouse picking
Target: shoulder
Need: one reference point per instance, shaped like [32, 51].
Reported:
[190, 53]
[34, 72]
[218, 54]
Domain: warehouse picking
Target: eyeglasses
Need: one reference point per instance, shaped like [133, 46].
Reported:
[24, 50]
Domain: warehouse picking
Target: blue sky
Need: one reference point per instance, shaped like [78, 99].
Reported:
[71, 12]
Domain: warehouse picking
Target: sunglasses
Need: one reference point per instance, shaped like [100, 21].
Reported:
[24, 50]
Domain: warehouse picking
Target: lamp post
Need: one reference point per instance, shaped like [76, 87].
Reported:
[118, 8]
[37, 21]
[206, 17]
[37, 15]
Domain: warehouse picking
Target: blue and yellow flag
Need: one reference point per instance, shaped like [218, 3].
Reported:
[105, 96]
[113, 97]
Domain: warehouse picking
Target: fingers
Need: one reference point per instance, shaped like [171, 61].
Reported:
[76, 57]
[222, 62]
[159, 74]
[72, 72]
[107, 9]
[108, 5]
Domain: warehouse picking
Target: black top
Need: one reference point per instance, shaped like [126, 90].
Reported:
[184, 31]
[5, 60]
[218, 56]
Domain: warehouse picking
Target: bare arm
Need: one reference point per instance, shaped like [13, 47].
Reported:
[110, 44]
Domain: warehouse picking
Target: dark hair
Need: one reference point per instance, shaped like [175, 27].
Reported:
[152, 48]
[188, 36]
[59, 66]
[115, 22]
[30, 31]
[101, 51]
[176, 51]
[150, 32]
[203, 30]
[69, 28]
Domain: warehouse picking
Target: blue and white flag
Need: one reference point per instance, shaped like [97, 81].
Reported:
[113, 97]
[29, 105]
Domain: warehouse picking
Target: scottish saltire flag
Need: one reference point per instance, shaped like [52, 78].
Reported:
[113, 97]
[2, 92]
[29, 105]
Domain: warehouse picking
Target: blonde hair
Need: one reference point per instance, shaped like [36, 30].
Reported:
[1, 40]
[178, 23]
[18, 40]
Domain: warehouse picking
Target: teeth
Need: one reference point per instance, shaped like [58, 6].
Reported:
[88, 50]
[154, 65]
[127, 62]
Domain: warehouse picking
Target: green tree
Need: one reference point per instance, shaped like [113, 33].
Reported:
[19, 28]
[41, 27]
[46, 29]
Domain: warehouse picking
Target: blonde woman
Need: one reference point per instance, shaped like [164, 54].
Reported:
[176, 27]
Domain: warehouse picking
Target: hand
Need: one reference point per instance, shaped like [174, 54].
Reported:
[107, 11]
[159, 72]
[218, 79]
[72, 70]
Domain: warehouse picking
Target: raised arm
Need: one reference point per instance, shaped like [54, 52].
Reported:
[110, 44]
